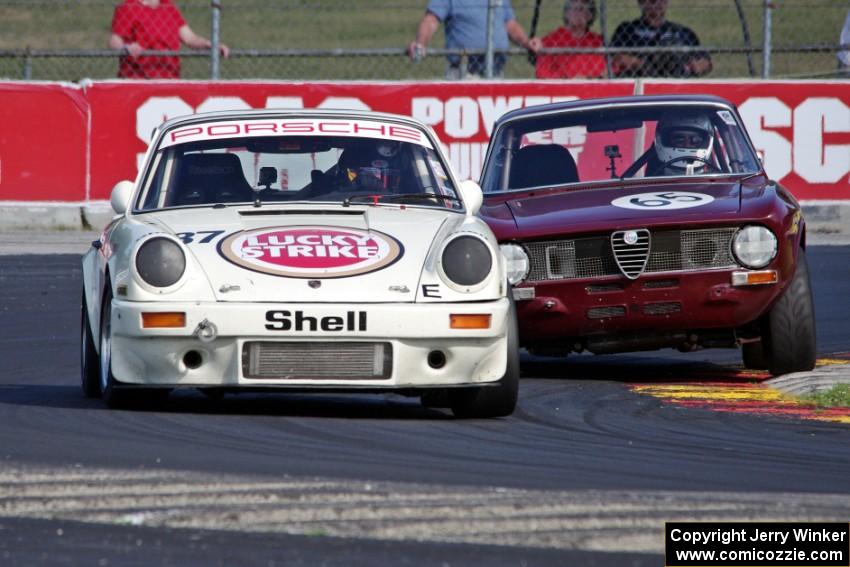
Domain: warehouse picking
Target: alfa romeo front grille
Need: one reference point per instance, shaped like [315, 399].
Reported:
[593, 256]
[631, 251]
[662, 308]
[660, 284]
[605, 288]
[606, 312]
[317, 360]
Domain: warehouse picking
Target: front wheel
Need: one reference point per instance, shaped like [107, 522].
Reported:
[89, 360]
[499, 400]
[753, 355]
[112, 394]
[789, 338]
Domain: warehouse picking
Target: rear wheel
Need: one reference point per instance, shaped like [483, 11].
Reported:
[89, 360]
[790, 342]
[493, 401]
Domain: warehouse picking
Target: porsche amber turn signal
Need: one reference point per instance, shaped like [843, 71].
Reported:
[163, 320]
[470, 321]
[755, 278]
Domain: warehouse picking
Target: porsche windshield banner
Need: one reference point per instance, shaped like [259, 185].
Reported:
[295, 127]
[311, 251]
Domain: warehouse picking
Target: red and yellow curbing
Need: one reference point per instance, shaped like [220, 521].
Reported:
[744, 391]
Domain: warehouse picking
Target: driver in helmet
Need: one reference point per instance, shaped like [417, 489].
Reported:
[369, 167]
[683, 144]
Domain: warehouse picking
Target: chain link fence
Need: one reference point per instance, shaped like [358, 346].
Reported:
[368, 39]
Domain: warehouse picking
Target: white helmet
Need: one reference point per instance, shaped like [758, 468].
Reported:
[684, 136]
[388, 148]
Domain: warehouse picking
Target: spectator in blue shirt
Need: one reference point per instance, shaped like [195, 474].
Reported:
[466, 28]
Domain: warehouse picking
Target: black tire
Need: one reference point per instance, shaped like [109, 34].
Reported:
[113, 395]
[790, 340]
[89, 359]
[753, 355]
[436, 399]
[493, 401]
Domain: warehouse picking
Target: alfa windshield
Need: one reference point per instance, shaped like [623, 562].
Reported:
[596, 145]
[297, 168]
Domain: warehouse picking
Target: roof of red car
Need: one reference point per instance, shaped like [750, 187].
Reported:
[611, 101]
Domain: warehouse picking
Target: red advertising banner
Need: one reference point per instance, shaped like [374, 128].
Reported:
[61, 142]
[43, 142]
[462, 114]
[801, 128]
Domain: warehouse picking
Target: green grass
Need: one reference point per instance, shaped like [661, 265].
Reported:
[835, 397]
[270, 25]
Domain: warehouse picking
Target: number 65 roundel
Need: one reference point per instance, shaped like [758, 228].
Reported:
[662, 200]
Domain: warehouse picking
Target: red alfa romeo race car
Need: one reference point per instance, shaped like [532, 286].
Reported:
[641, 223]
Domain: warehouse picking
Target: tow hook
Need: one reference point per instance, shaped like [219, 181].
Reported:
[206, 331]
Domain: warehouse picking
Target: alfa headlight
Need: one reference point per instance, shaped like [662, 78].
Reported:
[160, 262]
[754, 246]
[467, 261]
[516, 262]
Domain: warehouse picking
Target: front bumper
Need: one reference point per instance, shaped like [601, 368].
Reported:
[666, 302]
[155, 357]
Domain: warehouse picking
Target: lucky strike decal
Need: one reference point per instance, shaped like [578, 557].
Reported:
[311, 251]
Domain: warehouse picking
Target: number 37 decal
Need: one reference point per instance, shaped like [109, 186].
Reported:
[662, 200]
[200, 237]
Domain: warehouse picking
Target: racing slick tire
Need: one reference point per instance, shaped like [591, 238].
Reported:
[493, 401]
[753, 355]
[110, 388]
[89, 359]
[790, 342]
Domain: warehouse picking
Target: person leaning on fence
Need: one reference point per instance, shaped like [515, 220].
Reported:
[140, 25]
[844, 55]
[653, 29]
[579, 15]
[466, 28]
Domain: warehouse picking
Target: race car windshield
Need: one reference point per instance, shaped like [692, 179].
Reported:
[629, 141]
[280, 169]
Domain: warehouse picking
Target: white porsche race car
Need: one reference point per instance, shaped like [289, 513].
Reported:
[308, 250]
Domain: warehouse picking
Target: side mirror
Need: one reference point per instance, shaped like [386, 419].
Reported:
[472, 196]
[121, 195]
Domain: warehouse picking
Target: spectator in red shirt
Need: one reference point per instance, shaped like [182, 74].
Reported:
[579, 15]
[140, 25]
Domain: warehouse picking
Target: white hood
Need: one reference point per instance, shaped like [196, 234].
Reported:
[242, 250]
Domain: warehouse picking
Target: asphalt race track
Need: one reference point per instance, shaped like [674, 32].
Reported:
[584, 473]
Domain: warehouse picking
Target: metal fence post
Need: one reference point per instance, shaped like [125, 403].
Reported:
[492, 6]
[215, 40]
[768, 41]
[603, 25]
[27, 65]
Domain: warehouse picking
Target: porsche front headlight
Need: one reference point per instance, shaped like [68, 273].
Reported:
[516, 262]
[754, 246]
[160, 262]
[466, 261]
